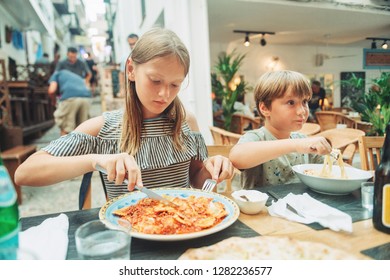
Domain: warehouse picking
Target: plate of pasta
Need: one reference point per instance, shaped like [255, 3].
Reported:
[331, 179]
[196, 214]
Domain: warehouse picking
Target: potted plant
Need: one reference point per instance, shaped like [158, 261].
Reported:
[373, 105]
[227, 85]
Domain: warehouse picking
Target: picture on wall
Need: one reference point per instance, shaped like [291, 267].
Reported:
[350, 93]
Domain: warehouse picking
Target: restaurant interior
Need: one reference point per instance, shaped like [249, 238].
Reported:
[342, 44]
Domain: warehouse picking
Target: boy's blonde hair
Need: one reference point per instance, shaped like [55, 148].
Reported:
[273, 85]
[157, 42]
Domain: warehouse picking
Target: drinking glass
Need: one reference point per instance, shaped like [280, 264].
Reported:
[367, 195]
[95, 241]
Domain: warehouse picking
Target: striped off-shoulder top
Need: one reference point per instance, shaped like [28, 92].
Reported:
[161, 164]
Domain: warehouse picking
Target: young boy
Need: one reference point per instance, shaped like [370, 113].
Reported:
[266, 155]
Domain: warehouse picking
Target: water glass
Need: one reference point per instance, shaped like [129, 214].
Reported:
[94, 241]
[367, 195]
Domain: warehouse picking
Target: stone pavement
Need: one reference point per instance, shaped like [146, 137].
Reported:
[63, 196]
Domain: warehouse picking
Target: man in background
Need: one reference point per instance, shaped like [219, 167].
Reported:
[317, 100]
[74, 99]
[132, 40]
[75, 65]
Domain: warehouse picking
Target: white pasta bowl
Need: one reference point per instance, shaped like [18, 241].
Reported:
[255, 204]
[334, 184]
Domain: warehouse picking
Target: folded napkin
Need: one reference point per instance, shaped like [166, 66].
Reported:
[313, 211]
[49, 240]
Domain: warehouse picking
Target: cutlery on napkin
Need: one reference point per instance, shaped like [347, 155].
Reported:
[312, 211]
[49, 240]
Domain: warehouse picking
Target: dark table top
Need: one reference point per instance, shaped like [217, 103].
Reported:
[142, 249]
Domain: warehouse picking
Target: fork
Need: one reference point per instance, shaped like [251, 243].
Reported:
[335, 153]
[209, 185]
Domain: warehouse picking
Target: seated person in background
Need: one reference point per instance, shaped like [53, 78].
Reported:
[266, 155]
[218, 118]
[153, 141]
[241, 108]
[74, 100]
[317, 100]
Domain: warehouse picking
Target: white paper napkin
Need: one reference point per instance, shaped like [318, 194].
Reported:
[49, 240]
[313, 211]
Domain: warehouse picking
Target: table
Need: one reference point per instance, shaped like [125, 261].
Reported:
[364, 236]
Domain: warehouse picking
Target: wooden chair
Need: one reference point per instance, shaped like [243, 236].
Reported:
[223, 137]
[240, 122]
[349, 153]
[365, 126]
[370, 151]
[340, 138]
[342, 109]
[327, 119]
[310, 129]
[223, 150]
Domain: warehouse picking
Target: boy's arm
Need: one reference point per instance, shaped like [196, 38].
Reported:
[251, 154]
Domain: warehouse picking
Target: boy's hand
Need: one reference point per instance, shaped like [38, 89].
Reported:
[314, 145]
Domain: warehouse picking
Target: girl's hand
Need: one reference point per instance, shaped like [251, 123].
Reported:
[314, 145]
[219, 167]
[119, 167]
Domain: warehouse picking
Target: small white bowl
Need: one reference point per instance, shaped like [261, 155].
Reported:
[255, 204]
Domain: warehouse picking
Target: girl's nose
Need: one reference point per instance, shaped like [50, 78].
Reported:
[164, 92]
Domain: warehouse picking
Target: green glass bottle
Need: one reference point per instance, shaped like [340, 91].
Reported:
[9, 216]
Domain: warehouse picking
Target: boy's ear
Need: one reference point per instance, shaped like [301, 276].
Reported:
[263, 109]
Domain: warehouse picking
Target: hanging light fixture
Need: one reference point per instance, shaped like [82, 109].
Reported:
[263, 42]
[373, 45]
[374, 39]
[247, 42]
[385, 45]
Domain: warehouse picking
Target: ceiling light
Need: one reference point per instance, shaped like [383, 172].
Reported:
[385, 45]
[247, 42]
[263, 42]
[374, 39]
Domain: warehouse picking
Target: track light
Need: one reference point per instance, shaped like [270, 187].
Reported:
[263, 42]
[373, 43]
[247, 42]
[385, 45]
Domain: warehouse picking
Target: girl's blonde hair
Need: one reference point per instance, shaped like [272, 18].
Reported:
[273, 85]
[157, 42]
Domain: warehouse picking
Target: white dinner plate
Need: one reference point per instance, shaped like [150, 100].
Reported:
[106, 212]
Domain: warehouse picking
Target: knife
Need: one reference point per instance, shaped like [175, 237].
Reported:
[148, 192]
[289, 207]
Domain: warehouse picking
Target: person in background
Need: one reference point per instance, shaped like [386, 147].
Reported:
[74, 100]
[75, 65]
[132, 40]
[153, 141]
[266, 155]
[241, 108]
[94, 71]
[317, 100]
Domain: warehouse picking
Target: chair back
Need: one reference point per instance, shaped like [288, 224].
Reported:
[240, 122]
[310, 129]
[370, 151]
[223, 137]
[327, 119]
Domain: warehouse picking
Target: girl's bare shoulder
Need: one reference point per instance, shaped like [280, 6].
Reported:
[91, 126]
